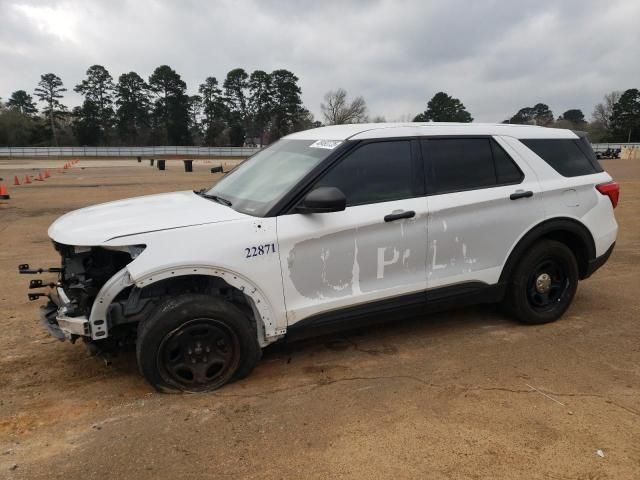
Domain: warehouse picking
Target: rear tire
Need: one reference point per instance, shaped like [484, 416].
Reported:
[196, 343]
[543, 284]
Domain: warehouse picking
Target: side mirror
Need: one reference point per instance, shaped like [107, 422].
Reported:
[323, 200]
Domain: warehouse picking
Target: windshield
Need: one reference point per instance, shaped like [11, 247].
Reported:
[260, 182]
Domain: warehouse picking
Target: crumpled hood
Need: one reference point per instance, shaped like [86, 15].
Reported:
[97, 224]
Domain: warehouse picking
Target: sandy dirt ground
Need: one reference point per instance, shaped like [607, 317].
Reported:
[465, 394]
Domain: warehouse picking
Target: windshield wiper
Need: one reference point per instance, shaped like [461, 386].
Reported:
[215, 198]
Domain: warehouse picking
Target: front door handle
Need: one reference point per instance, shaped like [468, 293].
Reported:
[397, 216]
[521, 194]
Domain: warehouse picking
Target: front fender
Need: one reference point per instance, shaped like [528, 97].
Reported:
[219, 250]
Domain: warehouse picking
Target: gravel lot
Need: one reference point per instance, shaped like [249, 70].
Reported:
[464, 394]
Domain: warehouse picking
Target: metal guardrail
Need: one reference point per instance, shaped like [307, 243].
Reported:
[157, 151]
[600, 147]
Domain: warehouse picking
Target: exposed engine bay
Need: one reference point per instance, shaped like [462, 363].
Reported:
[84, 271]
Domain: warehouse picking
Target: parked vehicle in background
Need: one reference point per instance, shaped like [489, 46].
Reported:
[330, 228]
[609, 153]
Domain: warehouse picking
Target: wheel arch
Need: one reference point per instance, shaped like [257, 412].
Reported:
[562, 229]
[267, 326]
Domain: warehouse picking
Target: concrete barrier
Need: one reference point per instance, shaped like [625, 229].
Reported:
[630, 153]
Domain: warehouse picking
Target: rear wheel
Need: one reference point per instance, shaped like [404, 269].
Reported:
[543, 284]
[196, 343]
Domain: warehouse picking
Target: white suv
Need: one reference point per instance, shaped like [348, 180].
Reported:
[328, 228]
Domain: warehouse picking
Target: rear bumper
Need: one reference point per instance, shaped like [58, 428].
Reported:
[596, 263]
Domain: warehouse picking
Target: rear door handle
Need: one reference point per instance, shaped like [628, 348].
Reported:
[397, 216]
[521, 194]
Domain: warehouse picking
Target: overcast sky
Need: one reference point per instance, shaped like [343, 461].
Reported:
[496, 56]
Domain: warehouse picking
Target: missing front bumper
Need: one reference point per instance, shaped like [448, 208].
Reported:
[49, 322]
[61, 326]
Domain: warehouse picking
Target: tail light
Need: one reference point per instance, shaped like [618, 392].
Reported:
[611, 190]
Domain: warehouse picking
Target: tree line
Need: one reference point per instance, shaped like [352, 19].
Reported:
[255, 109]
[615, 119]
[245, 109]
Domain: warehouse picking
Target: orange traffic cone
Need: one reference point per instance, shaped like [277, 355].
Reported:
[16, 180]
[66, 166]
[27, 179]
[47, 174]
[4, 194]
[39, 179]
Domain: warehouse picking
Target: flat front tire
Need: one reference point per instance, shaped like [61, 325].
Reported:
[196, 343]
[543, 284]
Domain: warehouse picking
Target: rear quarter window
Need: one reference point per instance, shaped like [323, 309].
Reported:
[570, 158]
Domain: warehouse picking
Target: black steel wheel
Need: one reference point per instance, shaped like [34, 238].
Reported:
[547, 284]
[543, 284]
[200, 354]
[196, 343]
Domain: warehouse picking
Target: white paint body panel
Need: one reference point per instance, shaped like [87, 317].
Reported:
[362, 131]
[333, 260]
[471, 233]
[98, 223]
[216, 249]
[573, 197]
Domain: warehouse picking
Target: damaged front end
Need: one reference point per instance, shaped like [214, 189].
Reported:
[83, 273]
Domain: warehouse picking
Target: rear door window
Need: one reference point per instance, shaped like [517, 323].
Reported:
[566, 156]
[457, 164]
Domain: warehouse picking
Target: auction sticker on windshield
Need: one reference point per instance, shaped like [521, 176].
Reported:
[328, 144]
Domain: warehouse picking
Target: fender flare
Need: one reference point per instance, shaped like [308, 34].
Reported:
[267, 324]
[98, 317]
[552, 225]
